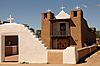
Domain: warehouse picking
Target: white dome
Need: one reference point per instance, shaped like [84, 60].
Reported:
[62, 15]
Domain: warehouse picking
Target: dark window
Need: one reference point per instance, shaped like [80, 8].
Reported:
[62, 28]
[11, 40]
[45, 15]
[75, 13]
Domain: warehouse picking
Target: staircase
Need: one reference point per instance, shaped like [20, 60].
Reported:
[34, 35]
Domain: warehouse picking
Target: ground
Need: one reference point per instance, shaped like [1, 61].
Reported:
[93, 60]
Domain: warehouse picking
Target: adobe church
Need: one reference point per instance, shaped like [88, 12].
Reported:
[63, 30]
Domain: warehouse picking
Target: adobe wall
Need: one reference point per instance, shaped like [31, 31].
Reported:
[31, 50]
[70, 55]
[75, 29]
[55, 56]
[81, 34]
[93, 48]
[46, 28]
[55, 27]
[83, 52]
[88, 34]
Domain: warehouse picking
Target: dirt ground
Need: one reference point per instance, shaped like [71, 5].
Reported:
[93, 60]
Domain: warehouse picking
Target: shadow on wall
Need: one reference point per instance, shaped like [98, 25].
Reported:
[72, 23]
[86, 52]
[72, 41]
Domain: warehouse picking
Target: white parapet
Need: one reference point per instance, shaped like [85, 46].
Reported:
[30, 48]
[70, 55]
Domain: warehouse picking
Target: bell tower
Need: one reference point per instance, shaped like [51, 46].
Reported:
[76, 29]
[46, 27]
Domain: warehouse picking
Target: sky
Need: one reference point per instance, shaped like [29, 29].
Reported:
[29, 11]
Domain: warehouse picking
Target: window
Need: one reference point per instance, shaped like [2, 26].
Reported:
[45, 15]
[11, 40]
[62, 28]
[75, 13]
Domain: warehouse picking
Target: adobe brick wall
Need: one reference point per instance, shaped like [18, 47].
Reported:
[88, 34]
[83, 52]
[86, 51]
[55, 29]
[46, 28]
[75, 29]
[93, 48]
[68, 55]
[55, 56]
[81, 34]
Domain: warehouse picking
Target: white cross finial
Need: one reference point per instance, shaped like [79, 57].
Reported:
[77, 7]
[48, 10]
[10, 19]
[62, 8]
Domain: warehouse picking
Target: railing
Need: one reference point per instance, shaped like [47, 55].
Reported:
[60, 33]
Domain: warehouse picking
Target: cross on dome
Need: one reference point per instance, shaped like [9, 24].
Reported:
[62, 8]
[77, 7]
[48, 10]
[62, 14]
[10, 19]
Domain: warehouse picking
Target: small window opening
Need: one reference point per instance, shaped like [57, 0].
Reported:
[75, 13]
[62, 28]
[45, 15]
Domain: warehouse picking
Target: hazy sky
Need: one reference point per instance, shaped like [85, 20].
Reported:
[29, 11]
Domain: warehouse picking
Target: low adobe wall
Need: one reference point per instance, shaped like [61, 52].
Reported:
[70, 55]
[93, 48]
[55, 56]
[66, 56]
[83, 52]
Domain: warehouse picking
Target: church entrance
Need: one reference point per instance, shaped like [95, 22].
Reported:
[62, 43]
[11, 48]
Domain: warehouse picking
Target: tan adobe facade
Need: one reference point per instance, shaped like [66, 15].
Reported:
[63, 30]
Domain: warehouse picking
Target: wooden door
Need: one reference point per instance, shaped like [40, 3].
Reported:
[62, 43]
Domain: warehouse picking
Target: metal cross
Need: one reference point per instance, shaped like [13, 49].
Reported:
[10, 19]
[62, 8]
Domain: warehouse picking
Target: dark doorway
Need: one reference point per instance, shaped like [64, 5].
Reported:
[62, 43]
[11, 48]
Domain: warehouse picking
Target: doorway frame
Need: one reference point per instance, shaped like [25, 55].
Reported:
[2, 45]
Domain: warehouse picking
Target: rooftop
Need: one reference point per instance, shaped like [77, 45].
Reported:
[62, 15]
